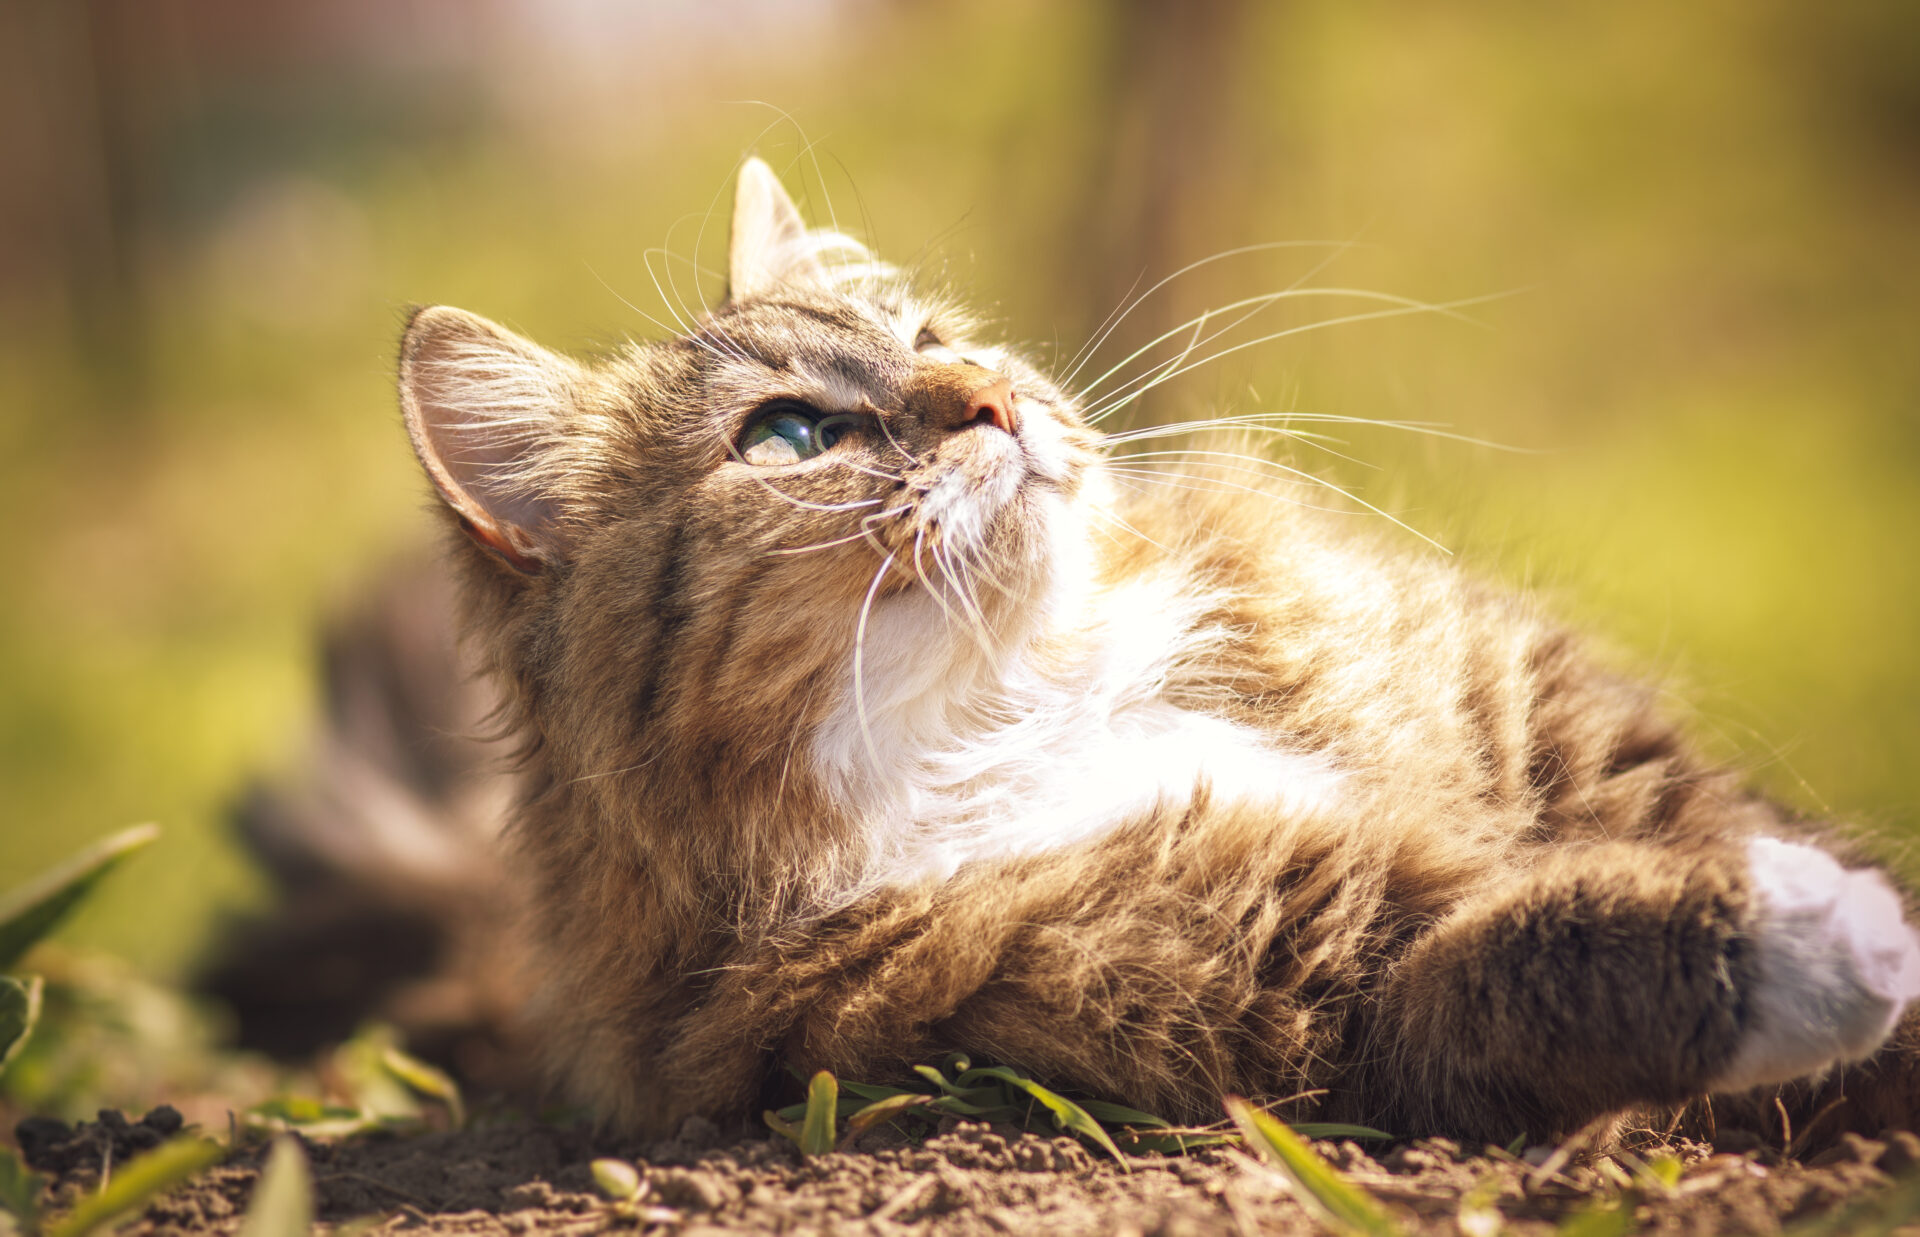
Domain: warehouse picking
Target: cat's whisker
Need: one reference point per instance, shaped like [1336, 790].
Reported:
[692, 262]
[972, 621]
[897, 444]
[880, 473]
[679, 305]
[1229, 421]
[976, 567]
[1288, 469]
[1278, 423]
[1092, 346]
[1429, 429]
[686, 326]
[956, 576]
[953, 586]
[1119, 522]
[860, 658]
[691, 328]
[606, 773]
[810, 150]
[858, 535]
[1194, 483]
[1121, 308]
[1254, 305]
[1123, 397]
[1319, 442]
[699, 270]
[806, 505]
[1285, 420]
[657, 323]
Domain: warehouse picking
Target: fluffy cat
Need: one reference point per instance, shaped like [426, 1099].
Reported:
[863, 717]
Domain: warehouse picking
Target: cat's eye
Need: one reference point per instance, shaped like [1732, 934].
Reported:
[928, 344]
[787, 432]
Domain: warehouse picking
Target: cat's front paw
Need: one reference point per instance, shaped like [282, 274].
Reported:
[1837, 964]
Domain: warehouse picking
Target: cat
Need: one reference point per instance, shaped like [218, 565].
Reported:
[865, 715]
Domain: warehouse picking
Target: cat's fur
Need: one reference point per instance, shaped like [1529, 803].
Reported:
[937, 741]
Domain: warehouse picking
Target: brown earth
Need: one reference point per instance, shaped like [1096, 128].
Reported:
[522, 1177]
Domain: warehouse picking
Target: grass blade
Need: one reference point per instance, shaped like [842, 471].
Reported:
[19, 1011]
[1120, 1114]
[1335, 1201]
[1316, 1130]
[1612, 1220]
[884, 1110]
[780, 1125]
[960, 1108]
[823, 1102]
[1173, 1140]
[617, 1179]
[428, 1081]
[34, 909]
[939, 1080]
[282, 1203]
[137, 1184]
[311, 1117]
[1067, 1115]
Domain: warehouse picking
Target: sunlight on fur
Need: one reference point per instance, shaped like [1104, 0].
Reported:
[873, 704]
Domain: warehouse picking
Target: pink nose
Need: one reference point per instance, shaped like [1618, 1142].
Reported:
[953, 397]
[992, 404]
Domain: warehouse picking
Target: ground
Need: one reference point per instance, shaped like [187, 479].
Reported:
[518, 1177]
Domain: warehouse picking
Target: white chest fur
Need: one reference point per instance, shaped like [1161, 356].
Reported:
[952, 753]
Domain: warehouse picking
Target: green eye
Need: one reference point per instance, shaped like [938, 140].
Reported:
[790, 432]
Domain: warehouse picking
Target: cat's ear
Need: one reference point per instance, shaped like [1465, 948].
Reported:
[483, 408]
[769, 244]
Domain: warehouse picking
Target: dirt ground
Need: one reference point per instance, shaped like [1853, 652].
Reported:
[521, 1177]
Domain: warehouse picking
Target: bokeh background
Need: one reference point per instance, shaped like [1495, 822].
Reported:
[1699, 224]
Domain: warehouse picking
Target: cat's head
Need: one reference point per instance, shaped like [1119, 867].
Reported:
[681, 546]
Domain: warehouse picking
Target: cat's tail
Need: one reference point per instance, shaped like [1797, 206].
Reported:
[392, 899]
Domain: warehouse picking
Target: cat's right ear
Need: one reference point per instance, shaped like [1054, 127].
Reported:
[769, 244]
[483, 407]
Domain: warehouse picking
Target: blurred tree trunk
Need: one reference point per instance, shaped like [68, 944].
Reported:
[71, 205]
[1161, 180]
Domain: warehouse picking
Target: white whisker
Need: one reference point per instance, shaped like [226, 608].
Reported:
[1092, 346]
[1291, 471]
[860, 534]
[1122, 397]
[859, 659]
[1254, 304]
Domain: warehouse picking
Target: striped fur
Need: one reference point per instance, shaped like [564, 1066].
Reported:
[936, 741]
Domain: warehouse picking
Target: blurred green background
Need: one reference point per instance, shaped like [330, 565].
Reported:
[214, 213]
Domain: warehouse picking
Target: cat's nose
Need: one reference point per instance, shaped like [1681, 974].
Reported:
[953, 397]
[990, 404]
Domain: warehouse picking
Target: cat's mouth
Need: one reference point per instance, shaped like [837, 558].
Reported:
[972, 499]
[973, 492]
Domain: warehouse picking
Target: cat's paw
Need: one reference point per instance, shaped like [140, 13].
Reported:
[1837, 964]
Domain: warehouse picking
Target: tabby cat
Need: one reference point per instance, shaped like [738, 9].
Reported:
[865, 717]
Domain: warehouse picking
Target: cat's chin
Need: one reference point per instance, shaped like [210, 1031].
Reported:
[967, 503]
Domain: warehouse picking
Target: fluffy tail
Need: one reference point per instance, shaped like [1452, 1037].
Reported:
[383, 847]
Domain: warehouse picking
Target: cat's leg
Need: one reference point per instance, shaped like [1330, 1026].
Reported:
[1622, 974]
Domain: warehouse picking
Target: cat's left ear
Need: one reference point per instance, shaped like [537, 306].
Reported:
[769, 245]
[485, 409]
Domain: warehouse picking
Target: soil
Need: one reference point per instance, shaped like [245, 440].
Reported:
[522, 1178]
